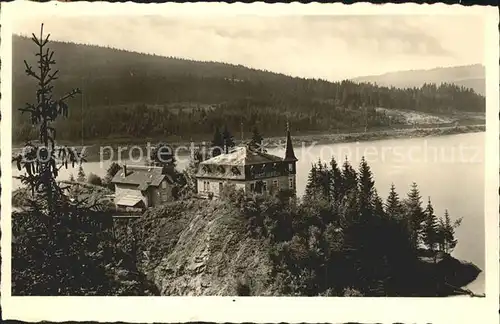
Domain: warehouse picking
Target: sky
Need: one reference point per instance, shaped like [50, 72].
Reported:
[327, 47]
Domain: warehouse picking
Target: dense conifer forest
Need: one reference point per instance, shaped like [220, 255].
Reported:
[158, 97]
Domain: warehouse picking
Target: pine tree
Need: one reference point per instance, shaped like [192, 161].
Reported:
[378, 205]
[324, 179]
[337, 186]
[227, 138]
[430, 228]
[81, 174]
[312, 182]
[217, 146]
[393, 206]
[71, 178]
[349, 177]
[257, 139]
[56, 234]
[366, 189]
[414, 214]
[39, 162]
[448, 232]
[110, 173]
[163, 156]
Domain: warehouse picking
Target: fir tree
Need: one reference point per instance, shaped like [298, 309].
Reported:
[336, 183]
[447, 229]
[349, 178]
[319, 181]
[430, 227]
[378, 205]
[366, 189]
[81, 174]
[59, 244]
[257, 139]
[393, 206]
[217, 146]
[227, 138]
[414, 214]
[39, 162]
[110, 173]
[312, 182]
[163, 156]
[324, 180]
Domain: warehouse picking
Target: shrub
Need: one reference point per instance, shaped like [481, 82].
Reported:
[94, 179]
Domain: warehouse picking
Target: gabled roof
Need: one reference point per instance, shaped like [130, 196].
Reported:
[242, 155]
[143, 176]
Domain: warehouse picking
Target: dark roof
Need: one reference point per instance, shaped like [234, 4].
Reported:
[242, 155]
[289, 153]
[143, 176]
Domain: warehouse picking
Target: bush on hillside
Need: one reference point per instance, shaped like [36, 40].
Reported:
[94, 179]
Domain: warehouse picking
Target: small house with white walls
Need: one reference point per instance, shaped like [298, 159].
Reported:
[139, 187]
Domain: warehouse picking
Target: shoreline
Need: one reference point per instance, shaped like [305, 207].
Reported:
[92, 151]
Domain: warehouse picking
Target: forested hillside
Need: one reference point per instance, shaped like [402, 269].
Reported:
[128, 93]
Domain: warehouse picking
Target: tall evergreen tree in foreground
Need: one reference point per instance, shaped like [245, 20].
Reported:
[39, 160]
[59, 246]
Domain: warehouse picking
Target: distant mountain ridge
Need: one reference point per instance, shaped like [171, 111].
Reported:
[469, 76]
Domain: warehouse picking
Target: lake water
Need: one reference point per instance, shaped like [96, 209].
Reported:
[448, 169]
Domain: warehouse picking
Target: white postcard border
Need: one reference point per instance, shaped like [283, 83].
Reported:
[256, 309]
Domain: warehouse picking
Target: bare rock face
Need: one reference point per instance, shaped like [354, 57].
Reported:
[201, 248]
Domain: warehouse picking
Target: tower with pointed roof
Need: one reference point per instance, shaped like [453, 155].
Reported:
[249, 169]
[290, 157]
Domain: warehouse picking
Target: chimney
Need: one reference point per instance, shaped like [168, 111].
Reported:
[226, 148]
[124, 170]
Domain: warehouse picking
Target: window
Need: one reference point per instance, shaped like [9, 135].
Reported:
[221, 185]
[206, 185]
[252, 187]
[164, 184]
[264, 185]
[291, 183]
[290, 167]
[275, 184]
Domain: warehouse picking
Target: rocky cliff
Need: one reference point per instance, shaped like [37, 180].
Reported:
[198, 248]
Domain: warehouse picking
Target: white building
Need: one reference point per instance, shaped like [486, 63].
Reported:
[248, 169]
